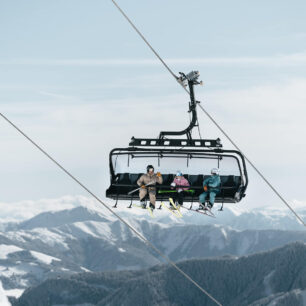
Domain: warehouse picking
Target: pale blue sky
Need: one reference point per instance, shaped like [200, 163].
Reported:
[79, 80]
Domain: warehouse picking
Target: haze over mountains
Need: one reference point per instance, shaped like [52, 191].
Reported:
[85, 237]
[237, 216]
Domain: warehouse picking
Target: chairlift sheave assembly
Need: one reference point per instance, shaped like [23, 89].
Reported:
[194, 157]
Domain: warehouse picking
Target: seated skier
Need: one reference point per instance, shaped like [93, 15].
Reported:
[179, 181]
[211, 186]
[150, 179]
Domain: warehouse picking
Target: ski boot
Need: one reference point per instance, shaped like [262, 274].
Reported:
[143, 204]
[201, 206]
[208, 207]
[152, 206]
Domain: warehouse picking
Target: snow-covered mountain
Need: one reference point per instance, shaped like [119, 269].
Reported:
[275, 277]
[237, 216]
[89, 238]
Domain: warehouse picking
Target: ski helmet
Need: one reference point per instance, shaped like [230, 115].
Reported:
[150, 167]
[214, 171]
[179, 173]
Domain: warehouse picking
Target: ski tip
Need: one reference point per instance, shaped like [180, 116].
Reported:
[150, 212]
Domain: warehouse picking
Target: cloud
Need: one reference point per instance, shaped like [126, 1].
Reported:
[57, 96]
[23, 210]
[275, 60]
[266, 121]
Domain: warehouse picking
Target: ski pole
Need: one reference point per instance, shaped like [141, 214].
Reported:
[167, 191]
[140, 188]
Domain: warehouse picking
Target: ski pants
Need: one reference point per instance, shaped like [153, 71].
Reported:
[143, 192]
[212, 196]
[179, 197]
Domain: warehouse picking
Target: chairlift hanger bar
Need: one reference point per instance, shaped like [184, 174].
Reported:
[191, 79]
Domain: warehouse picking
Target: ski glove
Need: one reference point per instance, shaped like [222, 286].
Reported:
[158, 174]
[143, 186]
[205, 188]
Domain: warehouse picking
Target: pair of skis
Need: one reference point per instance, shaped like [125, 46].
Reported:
[206, 212]
[149, 209]
[175, 211]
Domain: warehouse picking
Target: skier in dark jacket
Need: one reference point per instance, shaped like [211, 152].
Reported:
[211, 186]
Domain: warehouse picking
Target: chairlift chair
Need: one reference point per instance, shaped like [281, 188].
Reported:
[195, 156]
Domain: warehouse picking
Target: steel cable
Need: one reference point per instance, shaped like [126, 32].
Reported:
[149, 45]
[173, 264]
[252, 165]
[212, 119]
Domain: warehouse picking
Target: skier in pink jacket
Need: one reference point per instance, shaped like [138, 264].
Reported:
[181, 182]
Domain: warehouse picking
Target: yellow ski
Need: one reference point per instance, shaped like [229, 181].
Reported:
[172, 211]
[151, 212]
[176, 208]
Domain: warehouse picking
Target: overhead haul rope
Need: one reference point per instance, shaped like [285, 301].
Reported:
[252, 165]
[148, 44]
[144, 239]
[199, 129]
[213, 120]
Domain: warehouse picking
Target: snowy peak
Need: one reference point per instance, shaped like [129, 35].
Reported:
[80, 209]
[59, 218]
[88, 237]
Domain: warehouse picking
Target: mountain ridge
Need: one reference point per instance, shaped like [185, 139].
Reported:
[82, 238]
[232, 281]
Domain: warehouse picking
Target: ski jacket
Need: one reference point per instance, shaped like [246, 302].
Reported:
[213, 183]
[181, 182]
[146, 179]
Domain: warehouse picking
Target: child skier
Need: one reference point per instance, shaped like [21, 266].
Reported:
[181, 182]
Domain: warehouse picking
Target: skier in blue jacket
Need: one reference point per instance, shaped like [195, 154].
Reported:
[211, 186]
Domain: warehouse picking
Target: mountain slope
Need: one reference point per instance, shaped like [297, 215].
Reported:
[82, 238]
[259, 279]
